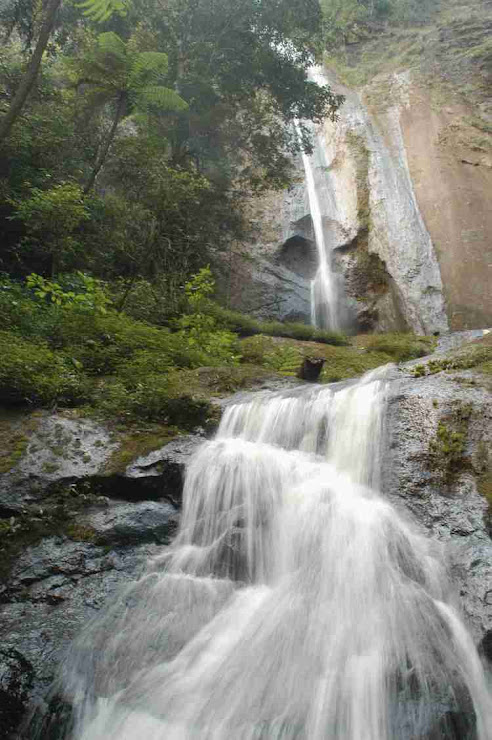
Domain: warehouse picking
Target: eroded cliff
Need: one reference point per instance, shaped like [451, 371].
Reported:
[404, 178]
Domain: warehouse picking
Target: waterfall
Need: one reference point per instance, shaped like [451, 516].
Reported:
[324, 299]
[323, 288]
[295, 604]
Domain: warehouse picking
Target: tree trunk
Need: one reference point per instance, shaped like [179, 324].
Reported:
[29, 78]
[109, 140]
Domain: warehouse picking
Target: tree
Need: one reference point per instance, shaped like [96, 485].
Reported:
[50, 218]
[31, 73]
[243, 66]
[127, 79]
[97, 9]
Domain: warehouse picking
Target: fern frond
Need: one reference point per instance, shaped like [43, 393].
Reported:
[147, 67]
[101, 10]
[110, 43]
[160, 97]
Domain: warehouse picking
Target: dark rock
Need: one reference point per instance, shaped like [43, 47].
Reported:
[16, 680]
[54, 589]
[161, 472]
[123, 523]
[485, 647]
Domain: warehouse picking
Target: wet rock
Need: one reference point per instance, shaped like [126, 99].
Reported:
[16, 679]
[59, 449]
[54, 589]
[161, 471]
[452, 510]
[123, 523]
[485, 647]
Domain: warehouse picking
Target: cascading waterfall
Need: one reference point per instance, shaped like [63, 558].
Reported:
[295, 603]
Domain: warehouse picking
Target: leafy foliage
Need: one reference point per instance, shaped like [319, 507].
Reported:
[101, 10]
[33, 373]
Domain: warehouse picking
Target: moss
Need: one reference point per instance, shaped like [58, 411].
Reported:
[400, 346]
[484, 486]
[447, 449]
[16, 427]
[136, 443]
[13, 454]
[50, 467]
[81, 533]
[476, 356]
[285, 357]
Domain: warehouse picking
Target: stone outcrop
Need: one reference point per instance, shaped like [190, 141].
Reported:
[72, 538]
[436, 480]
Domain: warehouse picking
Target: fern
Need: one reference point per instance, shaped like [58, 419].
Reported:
[147, 67]
[110, 43]
[101, 10]
[161, 97]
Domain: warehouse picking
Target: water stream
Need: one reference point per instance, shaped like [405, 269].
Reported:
[295, 602]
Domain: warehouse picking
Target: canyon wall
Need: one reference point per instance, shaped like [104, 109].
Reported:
[404, 179]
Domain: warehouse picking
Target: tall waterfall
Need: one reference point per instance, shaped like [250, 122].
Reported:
[295, 603]
[324, 312]
[324, 298]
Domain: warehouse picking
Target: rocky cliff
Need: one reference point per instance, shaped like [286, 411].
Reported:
[404, 180]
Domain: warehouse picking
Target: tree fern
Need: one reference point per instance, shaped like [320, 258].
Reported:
[101, 10]
[110, 43]
[160, 97]
[147, 67]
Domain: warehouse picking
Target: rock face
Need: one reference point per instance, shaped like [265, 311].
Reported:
[98, 544]
[439, 486]
[404, 179]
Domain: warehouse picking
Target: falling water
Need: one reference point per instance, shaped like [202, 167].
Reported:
[295, 603]
[324, 300]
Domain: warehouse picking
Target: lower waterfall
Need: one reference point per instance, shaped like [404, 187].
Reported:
[295, 604]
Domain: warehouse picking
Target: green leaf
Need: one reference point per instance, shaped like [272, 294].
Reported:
[101, 10]
[161, 97]
[111, 43]
[147, 67]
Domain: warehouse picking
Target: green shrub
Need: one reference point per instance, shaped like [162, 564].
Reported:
[168, 398]
[33, 373]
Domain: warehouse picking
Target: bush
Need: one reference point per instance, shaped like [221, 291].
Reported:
[168, 398]
[33, 373]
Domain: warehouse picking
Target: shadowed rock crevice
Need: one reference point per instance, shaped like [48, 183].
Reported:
[298, 254]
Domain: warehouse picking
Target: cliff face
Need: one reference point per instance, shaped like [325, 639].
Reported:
[404, 180]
